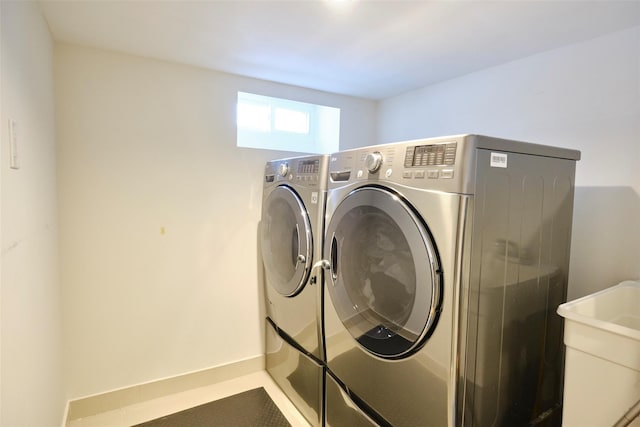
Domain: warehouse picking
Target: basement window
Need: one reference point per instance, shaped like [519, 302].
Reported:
[281, 124]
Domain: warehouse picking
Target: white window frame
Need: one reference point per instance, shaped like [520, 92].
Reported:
[323, 127]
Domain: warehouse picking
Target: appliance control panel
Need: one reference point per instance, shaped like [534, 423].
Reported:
[429, 164]
[443, 154]
[431, 161]
[308, 166]
[295, 171]
[408, 161]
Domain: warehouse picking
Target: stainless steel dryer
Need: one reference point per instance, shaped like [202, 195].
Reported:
[447, 260]
[291, 237]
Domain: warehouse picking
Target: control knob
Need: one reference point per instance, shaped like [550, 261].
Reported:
[373, 161]
[283, 169]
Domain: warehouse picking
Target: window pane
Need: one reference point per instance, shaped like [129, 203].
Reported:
[256, 117]
[291, 121]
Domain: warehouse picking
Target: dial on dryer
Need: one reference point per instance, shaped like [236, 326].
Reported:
[373, 161]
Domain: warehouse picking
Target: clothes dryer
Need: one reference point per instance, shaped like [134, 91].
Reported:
[447, 259]
[291, 237]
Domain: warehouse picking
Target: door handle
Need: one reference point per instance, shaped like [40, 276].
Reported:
[298, 258]
[295, 246]
[333, 262]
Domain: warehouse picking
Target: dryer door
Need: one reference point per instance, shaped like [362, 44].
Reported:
[385, 280]
[286, 241]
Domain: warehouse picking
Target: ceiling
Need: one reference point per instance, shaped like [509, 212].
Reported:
[368, 49]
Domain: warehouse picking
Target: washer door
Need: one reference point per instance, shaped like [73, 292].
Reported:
[286, 241]
[385, 280]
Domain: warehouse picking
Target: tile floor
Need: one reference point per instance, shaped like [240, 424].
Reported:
[145, 411]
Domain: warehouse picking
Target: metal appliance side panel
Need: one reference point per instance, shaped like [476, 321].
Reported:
[512, 359]
[416, 390]
[299, 376]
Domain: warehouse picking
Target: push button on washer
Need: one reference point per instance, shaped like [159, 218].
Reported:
[447, 173]
[432, 174]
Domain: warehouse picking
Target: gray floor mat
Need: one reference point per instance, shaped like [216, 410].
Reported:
[253, 408]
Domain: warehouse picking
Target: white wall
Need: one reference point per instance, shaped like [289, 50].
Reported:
[585, 96]
[31, 380]
[158, 215]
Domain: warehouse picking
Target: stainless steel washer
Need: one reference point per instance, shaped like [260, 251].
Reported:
[291, 237]
[448, 258]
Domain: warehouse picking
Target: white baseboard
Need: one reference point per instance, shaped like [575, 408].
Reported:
[103, 402]
[65, 416]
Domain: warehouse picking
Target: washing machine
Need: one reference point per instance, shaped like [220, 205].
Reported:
[446, 260]
[291, 237]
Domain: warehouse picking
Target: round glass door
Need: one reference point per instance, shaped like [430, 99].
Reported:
[385, 279]
[286, 241]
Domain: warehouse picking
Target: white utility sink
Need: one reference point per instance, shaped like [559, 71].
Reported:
[602, 366]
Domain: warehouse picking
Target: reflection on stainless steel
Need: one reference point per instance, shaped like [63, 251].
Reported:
[299, 376]
[406, 394]
[492, 242]
[341, 410]
[384, 276]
